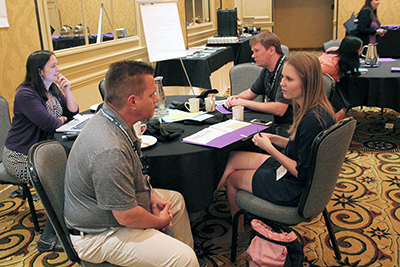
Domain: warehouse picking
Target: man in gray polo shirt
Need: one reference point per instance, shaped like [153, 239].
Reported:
[112, 211]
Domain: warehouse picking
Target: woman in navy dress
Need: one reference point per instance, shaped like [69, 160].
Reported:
[277, 177]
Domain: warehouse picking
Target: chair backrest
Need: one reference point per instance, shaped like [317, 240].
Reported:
[327, 156]
[329, 85]
[285, 50]
[242, 77]
[5, 124]
[47, 162]
[101, 89]
[334, 42]
[346, 88]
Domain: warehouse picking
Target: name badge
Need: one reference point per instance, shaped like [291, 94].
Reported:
[280, 172]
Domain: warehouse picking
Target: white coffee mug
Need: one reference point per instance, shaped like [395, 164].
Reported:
[210, 103]
[237, 113]
[139, 128]
[193, 104]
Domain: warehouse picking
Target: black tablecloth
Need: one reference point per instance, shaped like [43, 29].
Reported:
[241, 50]
[389, 44]
[63, 42]
[189, 169]
[199, 69]
[379, 87]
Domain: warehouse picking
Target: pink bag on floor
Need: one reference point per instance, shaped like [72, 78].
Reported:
[274, 249]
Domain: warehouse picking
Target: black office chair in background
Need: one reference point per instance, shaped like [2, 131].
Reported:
[327, 156]
[5, 178]
[47, 162]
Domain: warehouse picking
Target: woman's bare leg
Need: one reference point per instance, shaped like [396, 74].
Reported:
[241, 160]
[238, 180]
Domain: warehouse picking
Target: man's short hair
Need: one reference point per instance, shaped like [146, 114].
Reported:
[267, 39]
[125, 78]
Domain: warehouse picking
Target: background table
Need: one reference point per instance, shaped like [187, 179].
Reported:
[389, 44]
[379, 87]
[241, 50]
[190, 169]
[62, 42]
[199, 69]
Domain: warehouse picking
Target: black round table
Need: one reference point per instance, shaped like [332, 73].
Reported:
[192, 170]
[379, 87]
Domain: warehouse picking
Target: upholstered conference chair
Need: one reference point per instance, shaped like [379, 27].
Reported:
[47, 162]
[5, 178]
[101, 89]
[327, 155]
[242, 76]
[329, 86]
[285, 50]
[331, 43]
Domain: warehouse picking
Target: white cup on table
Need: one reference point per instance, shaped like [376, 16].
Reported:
[193, 105]
[238, 113]
[139, 128]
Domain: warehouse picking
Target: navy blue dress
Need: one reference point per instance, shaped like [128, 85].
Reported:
[288, 189]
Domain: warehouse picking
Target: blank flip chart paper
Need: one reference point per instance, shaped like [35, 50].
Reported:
[162, 31]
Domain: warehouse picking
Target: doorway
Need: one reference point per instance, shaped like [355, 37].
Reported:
[304, 24]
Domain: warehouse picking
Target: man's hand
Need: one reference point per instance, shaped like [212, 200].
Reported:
[162, 210]
[230, 101]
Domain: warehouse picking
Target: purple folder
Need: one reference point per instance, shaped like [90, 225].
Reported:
[223, 110]
[232, 137]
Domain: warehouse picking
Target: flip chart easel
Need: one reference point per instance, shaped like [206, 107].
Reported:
[163, 31]
[99, 38]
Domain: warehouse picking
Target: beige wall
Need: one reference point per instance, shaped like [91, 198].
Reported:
[16, 43]
[303, 23]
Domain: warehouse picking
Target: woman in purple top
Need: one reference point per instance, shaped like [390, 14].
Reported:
[42, 103]
[368, 23]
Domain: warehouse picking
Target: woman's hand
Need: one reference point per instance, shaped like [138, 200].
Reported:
[263, 141]
[63, 83]
[63, 119]
[381, 32]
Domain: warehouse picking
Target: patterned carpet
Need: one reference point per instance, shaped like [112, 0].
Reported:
[365, 212]
[377, 130]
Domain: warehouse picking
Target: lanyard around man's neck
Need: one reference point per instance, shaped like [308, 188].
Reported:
[135, 145]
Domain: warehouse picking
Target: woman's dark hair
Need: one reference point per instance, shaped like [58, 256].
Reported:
[35, 63]
[367, 5]
[349, 61]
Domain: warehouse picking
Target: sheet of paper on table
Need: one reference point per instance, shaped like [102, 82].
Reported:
[224, 133]
[179, 115]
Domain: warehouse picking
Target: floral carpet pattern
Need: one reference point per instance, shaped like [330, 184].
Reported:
[364, 210]
[377, 130]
